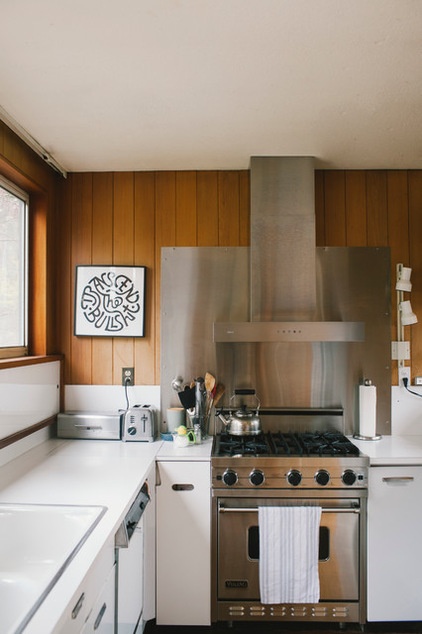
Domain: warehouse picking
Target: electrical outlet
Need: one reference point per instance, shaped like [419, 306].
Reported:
[128, 376]
[404, 373]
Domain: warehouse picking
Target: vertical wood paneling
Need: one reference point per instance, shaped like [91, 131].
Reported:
[335, 210]
[102, 253]
[398, 217]
[80, 355]
[123, 254]
[355, 200]
[228, 205]
[398, 238]
[150, 210]
[64, 275]
[376, 202]
[145, 256]
[244, 209]
[186, 216]
[207, 208]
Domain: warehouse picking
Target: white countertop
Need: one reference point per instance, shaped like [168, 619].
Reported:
[93, 472]
[169, 451]
[392, 450]
[107, 473]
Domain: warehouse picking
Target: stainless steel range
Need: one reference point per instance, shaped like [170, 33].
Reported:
[284, 469]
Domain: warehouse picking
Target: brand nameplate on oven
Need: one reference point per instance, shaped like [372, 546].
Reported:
[236, 583]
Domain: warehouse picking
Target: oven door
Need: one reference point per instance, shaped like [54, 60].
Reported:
[238, 548]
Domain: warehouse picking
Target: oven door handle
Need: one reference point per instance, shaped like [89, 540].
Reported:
[225, 509]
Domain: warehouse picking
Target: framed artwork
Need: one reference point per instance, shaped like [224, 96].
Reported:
[110, 301]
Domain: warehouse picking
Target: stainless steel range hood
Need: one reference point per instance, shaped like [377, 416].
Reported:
[283, 304]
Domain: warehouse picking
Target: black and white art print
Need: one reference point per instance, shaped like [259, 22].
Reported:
[110, 301]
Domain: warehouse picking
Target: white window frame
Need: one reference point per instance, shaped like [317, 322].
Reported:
[20, 351]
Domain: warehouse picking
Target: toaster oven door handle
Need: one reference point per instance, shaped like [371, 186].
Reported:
[88, 426]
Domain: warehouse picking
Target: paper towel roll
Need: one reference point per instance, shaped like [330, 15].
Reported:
[367, 410]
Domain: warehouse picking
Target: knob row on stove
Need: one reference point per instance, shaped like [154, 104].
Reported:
[294, 477]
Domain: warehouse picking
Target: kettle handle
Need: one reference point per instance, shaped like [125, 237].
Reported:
[247, 392]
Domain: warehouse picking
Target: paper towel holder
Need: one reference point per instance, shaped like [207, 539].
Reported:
[357, 436]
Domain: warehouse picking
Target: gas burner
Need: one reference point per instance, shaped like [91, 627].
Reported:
[237, 446]
[327, 444]
[324, 444]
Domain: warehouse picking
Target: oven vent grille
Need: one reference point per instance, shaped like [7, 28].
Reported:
[249, 611]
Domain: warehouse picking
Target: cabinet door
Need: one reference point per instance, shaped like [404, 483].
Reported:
[183, 543]
[395, 544]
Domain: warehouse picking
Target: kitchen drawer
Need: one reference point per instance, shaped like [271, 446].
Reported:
[102, 617]
[83, 601]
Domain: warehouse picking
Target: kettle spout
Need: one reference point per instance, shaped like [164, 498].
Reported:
[223, 419]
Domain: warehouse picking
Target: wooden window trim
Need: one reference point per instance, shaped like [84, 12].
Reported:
[37, 258]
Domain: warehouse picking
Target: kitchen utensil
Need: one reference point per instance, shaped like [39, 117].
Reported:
[218, 393]
[177, 384]
[243, 422]
[210, 385]
[187, 397]
[209, 382]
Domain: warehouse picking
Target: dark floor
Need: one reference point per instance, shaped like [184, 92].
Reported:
[286, 627]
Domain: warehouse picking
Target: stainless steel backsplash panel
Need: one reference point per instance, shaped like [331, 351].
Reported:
[204, 285]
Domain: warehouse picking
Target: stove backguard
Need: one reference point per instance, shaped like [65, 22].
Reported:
[204, 285]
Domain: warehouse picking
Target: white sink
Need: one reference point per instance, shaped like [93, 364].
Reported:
[37, 542]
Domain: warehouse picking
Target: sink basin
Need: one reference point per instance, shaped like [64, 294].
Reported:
[37, 543]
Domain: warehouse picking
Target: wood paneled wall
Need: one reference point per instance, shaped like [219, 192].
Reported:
[125, 218]
[377, 208]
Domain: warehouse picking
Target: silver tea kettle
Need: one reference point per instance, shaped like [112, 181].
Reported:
[243, 422]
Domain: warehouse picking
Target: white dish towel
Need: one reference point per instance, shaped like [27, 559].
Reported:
[288, 553]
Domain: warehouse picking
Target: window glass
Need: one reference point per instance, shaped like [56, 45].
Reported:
[13, 269]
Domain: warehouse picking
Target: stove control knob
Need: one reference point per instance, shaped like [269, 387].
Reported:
[322, 477]
[256, 477]
[230, 477]
[294, 477]
[349, 477]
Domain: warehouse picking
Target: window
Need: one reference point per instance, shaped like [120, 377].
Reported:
[13, 270]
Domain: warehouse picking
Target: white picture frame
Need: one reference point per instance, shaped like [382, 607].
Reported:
[109, 301]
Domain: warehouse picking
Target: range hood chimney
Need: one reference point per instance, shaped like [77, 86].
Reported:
[283, 305]
[282, 257]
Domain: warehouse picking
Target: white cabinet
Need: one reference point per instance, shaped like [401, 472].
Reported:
[395, 544]
[183, 543]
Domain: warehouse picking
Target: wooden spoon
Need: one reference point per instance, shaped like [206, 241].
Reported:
[220, 389]
[209, 382]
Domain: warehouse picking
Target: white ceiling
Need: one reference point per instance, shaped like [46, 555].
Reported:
[205, 84]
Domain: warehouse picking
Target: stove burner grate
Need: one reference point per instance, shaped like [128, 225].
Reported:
[323, 444]
[228, 445]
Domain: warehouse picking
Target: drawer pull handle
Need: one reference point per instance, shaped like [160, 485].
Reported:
[398, 479]
[100, 616]
[78, 606]
[182, 487]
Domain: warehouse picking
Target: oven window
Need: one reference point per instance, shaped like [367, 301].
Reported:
[324, 543]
